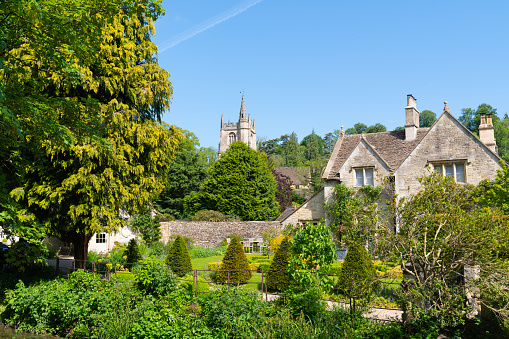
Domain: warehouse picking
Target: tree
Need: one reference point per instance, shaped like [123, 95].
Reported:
[79, 183]
[178, 258]
[312, 249]
[239, 184]
[360, 128]
[313, 146]
[441, 231]
[147, 226]
[185, 175]
[358, 275]
[471, 118]
[235, 267]
[132, 253]
[283, 190]
[329, 141]
[496, 193]
[427, 118]
[277, 275]
[291, 150]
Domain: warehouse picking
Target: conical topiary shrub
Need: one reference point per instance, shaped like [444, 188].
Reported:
[358, 275]
[132, 253]
[277, 275]
[234, 261]
[178, 258]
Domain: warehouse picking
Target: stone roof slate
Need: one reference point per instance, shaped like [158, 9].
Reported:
[390, 146]
[286, 213]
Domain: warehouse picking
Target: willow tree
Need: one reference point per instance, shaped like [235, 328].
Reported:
[114, 154]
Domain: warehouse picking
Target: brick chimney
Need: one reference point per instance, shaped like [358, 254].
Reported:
[412, 118]
[487, 132]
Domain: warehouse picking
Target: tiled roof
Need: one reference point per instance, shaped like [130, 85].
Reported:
[390, 146]
[285, 214]
[297, 175]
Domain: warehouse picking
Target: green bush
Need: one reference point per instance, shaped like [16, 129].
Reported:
[205, 252]
[309, 302]
[132, 253]
[277, 275]
[358, 275]
[154, 278]
[178, 258]
[234, 262]
[235, 313]
[187, 284]
[213, 216]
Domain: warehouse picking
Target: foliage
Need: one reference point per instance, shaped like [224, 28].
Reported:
[312, 249]
[132, 253]
[277, 275]
[235, 267]
[205, 252]
[496, 193]
[239, 183]
[358, 275]
[212, 216]
[178, 258]
[427, 118]
[154, 278]
[268, 236]
[313, 146]
[440, 231]
[351, 214]
[147, 226]
[308, 302]
[82, 100]
[283, 190]
[360, 128]
[230, 316]
[185, 175]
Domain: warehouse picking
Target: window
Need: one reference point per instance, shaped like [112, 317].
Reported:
[100, 238]
[452, 169]
[364, 176]
[231, 137]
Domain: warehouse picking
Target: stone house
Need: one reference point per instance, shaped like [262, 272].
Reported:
[405, 155]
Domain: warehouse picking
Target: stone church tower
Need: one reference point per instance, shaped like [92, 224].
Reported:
[244, 130]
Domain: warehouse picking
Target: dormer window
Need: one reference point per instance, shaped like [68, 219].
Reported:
[451, 169]
[364, 176]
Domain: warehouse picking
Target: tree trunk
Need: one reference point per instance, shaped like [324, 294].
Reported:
[80, 243]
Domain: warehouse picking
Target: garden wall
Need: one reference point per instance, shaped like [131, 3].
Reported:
[210, 234]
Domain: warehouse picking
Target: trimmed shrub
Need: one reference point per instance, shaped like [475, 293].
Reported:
[277, 276]
[235, 261]
[178, 258]
[132, 253]
[357, 272]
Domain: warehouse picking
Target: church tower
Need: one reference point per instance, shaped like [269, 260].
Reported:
[244, 130]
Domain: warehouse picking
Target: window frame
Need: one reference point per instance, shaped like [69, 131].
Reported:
[364, 168]
[454, 163]
[100, 238]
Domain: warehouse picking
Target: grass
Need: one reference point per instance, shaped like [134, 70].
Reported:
[202, 263]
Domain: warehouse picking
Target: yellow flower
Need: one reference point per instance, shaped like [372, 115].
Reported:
[109, 256]
[99, 260]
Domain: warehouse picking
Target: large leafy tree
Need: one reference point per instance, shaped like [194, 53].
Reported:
[360, 128]
[313, 146]
[185, 175]
[239, 184]
[103, 153]
[427, 118]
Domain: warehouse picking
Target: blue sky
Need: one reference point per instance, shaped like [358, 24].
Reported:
[327, 64]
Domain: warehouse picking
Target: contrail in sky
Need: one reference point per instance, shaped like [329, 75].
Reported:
[202, 27]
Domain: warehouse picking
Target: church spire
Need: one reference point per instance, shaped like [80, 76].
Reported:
[242, 114]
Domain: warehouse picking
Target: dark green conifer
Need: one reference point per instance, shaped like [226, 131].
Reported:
[234, 261]
[358, 274]
[277, 275]
[178, 258]
[132, 253]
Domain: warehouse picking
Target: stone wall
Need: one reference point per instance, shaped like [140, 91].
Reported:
[210, 234]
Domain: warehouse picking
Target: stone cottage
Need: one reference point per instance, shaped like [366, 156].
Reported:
[405, 155]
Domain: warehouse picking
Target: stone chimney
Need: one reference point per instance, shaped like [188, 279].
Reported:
[487, 132]
[412, 118]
